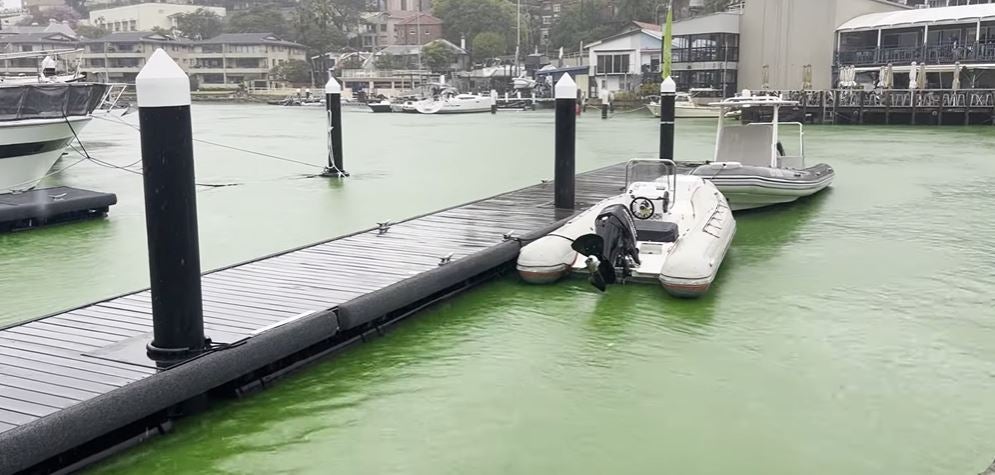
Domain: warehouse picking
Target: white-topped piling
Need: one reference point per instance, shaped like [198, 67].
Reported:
[170, 210]
[565, 92]
[668, 96]
[333, 109]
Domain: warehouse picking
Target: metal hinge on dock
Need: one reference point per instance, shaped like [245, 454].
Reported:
[383, 227]
[446, 259]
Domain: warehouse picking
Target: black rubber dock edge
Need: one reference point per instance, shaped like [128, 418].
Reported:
[44, 206]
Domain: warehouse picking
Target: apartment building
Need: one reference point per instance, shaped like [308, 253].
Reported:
[233, 60]
[144, 16]
[227, 61]
[33, 44]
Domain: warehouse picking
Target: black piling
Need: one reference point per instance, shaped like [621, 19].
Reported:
[333, 108]
[566, 132]
[493, 101]
[668, 95]
[170, 210]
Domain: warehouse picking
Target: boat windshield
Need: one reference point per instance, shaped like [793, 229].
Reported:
[649, 170]
[46, 101]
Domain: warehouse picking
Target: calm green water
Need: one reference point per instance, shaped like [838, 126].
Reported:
[846, 334]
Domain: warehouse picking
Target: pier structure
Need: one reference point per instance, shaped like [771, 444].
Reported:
[889, 106]
[80, 384]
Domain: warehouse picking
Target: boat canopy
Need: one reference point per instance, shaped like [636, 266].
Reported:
[50, 101]
[921, 17]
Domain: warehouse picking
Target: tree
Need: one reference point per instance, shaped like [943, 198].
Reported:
[472, 17]
[91, 32]
[200, 23]
[585, 21]
[488, 45]
[258, 19]
[320, 23]
[293, 71]
[437, 56]
[58, 13]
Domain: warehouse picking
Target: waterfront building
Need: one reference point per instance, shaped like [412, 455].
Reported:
[942, 38]
[417, 29]
[38, 5]
[781, 39]
[144, 16]
[705, 52]
[227, 61]
[38, 43]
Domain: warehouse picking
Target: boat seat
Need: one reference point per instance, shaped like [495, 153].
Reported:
[747, 144]
[656, 231]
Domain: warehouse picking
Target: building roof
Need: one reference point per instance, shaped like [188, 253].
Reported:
[51, 27]
[720, 22]
[647, 26]
[921, 16]
[249, 39]
[424, 19]
[20, 38]
[135, 37]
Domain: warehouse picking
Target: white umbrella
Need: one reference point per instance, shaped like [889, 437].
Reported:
[882, 82]
[956, 84]
[921, 77]
[913, 72]
[889, 76]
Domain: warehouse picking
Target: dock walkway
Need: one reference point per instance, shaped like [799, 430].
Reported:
[70, 379]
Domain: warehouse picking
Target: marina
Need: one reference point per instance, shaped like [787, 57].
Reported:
[333, 288]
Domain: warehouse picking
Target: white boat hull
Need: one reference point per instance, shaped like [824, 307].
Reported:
[455, 105]
[29, 149]
[747, 187]
[685, 267]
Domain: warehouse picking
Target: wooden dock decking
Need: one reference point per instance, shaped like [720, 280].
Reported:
[84, 370]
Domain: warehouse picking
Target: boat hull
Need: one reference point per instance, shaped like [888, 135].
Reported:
[379, 108]
[749, 187]
[29, 149]
[455, 105]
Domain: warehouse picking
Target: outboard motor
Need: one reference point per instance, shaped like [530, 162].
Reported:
[613, 245]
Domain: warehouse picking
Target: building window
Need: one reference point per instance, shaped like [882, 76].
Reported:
[134, 25]
[556, 8]
[546, 19]
[383, 27]
[404, 5]
[613, 64]
[413, 31]
[27, 48]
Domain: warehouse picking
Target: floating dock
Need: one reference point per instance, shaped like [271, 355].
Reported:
[76, 385]
[51, 205]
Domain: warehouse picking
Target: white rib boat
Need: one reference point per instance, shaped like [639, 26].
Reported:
[666, 228]
[750, 166]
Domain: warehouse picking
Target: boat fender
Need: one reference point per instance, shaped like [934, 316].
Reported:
[780, 149]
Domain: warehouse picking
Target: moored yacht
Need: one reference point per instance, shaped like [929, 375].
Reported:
[37, 120]
[450, 101]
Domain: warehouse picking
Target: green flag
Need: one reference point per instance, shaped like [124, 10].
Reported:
[668, 36]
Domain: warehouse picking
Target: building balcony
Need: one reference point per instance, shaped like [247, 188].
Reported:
[982, 52]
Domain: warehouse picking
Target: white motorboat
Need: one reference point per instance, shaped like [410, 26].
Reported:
[686, 108]
[382, 106]
[750, 166]
[450, 102]
[36, 123]
[666, 227]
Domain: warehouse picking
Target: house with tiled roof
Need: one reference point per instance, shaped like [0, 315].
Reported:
[233, 60]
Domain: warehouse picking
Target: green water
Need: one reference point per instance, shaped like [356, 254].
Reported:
[850, 333]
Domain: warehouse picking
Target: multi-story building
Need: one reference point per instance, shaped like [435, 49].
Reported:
[943, 38]
[227, 61]
[233, 60]
[705, 52]
[101, 4]
[34, 44]
[119, 56]
[417, 29]
[36, 5]
[144, 16]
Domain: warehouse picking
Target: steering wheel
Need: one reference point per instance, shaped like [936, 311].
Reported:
[642, 208]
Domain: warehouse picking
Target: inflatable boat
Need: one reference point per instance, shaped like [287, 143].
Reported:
[666, 228]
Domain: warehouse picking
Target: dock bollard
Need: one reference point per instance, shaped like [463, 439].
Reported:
[493, 101]
[333, 107]
[170, 210]
[668, 95]
[566, 134]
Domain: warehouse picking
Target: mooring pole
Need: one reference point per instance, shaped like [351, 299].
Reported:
[333, 107]
[566, 134]
[493, 101]
[668, 95]
[170, 210]
[604, 103]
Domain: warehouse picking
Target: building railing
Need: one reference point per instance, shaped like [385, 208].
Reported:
[932, 54]
[390, 73]
[705, 54]
[891, 98]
